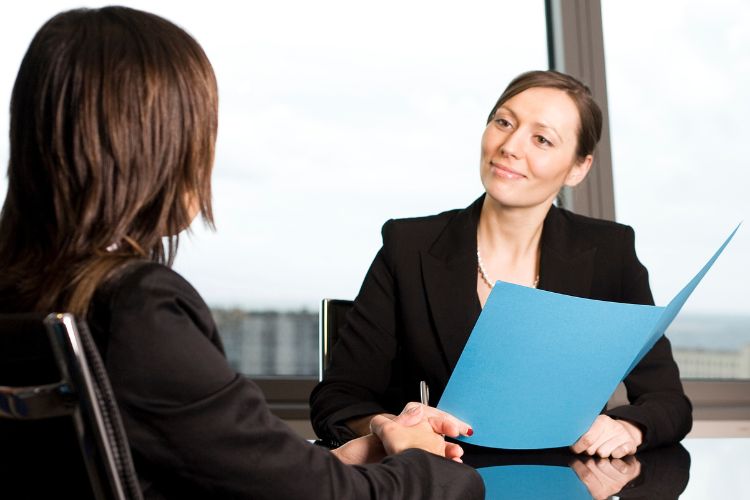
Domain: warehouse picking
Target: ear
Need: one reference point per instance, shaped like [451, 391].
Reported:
[579, 171]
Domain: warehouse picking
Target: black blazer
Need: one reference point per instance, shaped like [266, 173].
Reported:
[418, 304]
[197, 429]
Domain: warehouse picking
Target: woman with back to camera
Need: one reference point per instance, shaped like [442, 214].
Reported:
[428, 283]
[113, 125]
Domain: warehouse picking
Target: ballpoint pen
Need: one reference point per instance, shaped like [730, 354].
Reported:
[424, 393]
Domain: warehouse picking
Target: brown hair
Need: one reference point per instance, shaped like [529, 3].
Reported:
[589, 114]
[112, 128]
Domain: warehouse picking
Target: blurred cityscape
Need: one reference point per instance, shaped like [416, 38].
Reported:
[270, 343]
[708, 346]
[285, 343]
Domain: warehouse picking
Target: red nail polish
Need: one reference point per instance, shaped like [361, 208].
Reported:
[470, 432]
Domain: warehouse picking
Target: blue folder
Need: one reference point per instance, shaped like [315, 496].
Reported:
[539, 366]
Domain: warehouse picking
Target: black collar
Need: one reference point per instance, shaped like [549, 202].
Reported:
[449, 270]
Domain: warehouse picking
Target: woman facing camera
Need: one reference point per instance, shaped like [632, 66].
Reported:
[113, 125]
[428, 283]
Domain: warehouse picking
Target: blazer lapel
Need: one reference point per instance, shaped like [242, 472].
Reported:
[566, 266]
[449, 270]
[450, 281]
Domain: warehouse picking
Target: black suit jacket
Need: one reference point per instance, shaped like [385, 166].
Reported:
[197, 429]
[418, 305]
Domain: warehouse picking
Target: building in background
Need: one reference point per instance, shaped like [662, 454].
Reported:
[270, 343]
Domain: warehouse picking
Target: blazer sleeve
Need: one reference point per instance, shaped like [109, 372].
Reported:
[360, 369]
[658, 403]
[198, 429]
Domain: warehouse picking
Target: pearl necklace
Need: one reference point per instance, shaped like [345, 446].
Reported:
[486, 278]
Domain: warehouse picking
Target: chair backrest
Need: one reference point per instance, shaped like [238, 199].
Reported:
[60, 430]
[332, 318]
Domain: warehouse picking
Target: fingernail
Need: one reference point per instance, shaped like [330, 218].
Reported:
[411, 410]
[470, 432]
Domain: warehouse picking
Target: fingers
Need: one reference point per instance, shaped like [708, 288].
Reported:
[611, 470]
[624, 469]
[607, 438]
[605, 477]
[379, 423]
[442, 422]
[602, 477]
[589, 477]
[412, 414]
[453, 451]
[444, 427]
[451, 425]
[591, 437]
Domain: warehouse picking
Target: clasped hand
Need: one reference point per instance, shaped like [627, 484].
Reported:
[417, 426]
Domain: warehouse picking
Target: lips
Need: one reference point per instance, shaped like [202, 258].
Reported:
[505, 172]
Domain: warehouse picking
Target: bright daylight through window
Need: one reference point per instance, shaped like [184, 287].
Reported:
[678, 110]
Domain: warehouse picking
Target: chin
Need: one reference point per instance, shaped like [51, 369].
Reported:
[516, 199]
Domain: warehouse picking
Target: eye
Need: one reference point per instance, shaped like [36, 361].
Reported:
[542, 141]
[503, 123]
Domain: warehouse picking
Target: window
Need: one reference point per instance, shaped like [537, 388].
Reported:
[677, 74]
[334, 117]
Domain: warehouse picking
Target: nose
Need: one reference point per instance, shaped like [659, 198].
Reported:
[511, 146]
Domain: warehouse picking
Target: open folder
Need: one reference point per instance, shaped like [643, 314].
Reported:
[539, 366]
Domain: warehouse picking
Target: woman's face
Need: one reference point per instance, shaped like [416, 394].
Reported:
[529, 149]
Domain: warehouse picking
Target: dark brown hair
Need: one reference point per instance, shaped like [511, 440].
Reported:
[589, 114]
[113, 122]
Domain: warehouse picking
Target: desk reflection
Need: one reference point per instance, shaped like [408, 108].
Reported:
[559, 474]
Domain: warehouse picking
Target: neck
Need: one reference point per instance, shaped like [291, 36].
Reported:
[513, 232]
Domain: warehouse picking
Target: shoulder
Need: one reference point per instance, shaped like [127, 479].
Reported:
[150, 293]
[420, 229]
[566, 229]
[157, 337]
[143, 280]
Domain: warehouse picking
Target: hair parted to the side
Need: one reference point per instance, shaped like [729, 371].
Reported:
[589, 113]
[112, 129]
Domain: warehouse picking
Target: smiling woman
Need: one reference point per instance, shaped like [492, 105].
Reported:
[427, 285]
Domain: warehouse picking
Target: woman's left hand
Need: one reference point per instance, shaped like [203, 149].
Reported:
[608, 437]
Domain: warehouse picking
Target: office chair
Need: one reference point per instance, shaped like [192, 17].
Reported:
[60, 430]
[332, 318]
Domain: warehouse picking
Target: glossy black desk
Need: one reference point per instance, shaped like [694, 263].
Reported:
[697, 469]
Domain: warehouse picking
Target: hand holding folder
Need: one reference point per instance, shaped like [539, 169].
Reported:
[539, 366]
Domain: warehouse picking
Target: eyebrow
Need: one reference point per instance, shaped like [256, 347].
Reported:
[535, 124]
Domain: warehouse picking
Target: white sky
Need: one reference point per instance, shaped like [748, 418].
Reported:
[336, 116]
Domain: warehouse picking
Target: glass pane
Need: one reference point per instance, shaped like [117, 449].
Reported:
[335, 116]
[677, 77]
